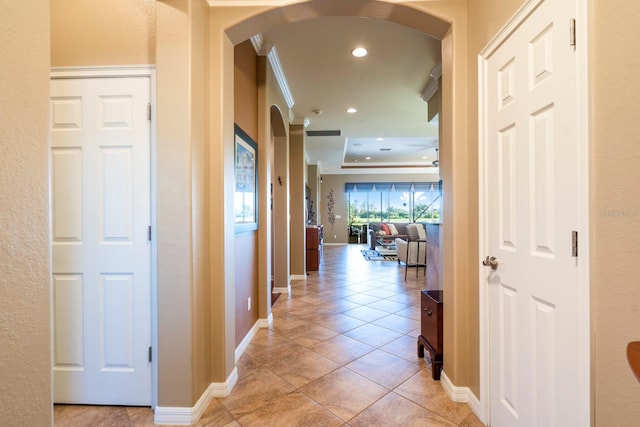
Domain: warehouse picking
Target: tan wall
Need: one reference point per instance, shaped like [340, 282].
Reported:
[201, 230]
[338, 233]
[615, 207]
[114, 32]
[25, 274]
[246, 250]
[245, 109]
[186, 320]
[297, 172]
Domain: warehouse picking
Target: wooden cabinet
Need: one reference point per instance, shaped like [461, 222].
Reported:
[431, 312]
[314, 247]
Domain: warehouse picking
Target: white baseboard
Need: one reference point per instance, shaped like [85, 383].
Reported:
[461, 394]
[265, 323]
[260, 323]
[188, 416]
[286, 290]
[246, 340]
[298, 277]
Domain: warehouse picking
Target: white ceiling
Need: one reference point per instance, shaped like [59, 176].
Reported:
[385, 86]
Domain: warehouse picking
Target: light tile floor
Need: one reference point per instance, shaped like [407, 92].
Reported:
[341, 352]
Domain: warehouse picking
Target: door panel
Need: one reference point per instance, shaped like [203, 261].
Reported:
[532, 207]
[100, 157]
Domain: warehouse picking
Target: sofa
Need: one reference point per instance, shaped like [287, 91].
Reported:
[387, 231]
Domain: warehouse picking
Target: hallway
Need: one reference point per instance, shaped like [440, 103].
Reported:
[341, 352]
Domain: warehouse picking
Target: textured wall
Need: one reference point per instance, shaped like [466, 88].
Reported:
[101, 32]
[615, 207]
[174, 208]
[25, 332]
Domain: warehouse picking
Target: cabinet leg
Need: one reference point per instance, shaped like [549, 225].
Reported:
[436, 366]
[436, 359]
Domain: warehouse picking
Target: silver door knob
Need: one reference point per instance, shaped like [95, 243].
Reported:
[491, 262]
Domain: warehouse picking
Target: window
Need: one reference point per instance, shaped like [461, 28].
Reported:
[392, 202]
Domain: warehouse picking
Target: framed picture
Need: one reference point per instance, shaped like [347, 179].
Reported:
[246, 182]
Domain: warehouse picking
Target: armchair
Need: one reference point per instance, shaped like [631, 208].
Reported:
[413, 251]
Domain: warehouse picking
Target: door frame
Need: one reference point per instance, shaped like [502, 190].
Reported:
[583, 299]
[121, 72]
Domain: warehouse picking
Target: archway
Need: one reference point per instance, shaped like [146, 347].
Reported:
[279, 205]
[231, 25]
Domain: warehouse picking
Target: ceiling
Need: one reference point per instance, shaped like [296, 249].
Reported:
[390, 132]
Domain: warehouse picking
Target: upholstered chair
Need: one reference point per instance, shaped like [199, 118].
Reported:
[412, 251]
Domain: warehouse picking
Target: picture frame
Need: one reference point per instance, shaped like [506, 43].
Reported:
[246, 181]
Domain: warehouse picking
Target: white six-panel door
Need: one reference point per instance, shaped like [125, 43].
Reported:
[531, 190]
[100, 190]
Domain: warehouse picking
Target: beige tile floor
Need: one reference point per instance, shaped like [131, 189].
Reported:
[341, 352]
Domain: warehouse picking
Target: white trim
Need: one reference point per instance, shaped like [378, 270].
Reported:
[583, 298]
[281, 290]
[462, 395]
[298, 277]
[266, 323]
[106, 71]
[483, 294]
[170, 415]
[263, 49]
[274, 60]
[246, 340]
[116, 71]
[260, 324]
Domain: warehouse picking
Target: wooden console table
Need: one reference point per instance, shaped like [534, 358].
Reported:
[314, 246]
[431, 329]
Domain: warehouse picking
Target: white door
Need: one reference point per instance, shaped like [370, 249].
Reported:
[100, 180]
[531, 190]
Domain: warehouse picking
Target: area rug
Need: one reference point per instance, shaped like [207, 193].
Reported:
[371, 255]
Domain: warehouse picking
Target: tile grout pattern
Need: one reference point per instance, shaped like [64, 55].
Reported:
[341, 352]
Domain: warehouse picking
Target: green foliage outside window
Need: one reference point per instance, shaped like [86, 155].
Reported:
[383, 206]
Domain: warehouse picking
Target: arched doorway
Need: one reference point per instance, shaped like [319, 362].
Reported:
[279, 206]
[240, 25]
[226, 26]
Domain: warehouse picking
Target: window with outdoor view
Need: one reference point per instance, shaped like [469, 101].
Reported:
[392, 202]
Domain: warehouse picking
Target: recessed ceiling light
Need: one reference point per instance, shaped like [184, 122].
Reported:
[367, 158]
[359, 52]
[379, 139]
[352, 110]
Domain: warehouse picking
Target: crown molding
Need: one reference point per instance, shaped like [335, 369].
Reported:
[274, 60]
[262, 48]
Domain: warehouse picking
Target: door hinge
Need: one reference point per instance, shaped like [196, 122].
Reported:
[150, 355]
[149, 233]
[149, 111]
[572, 32]
[574, 244]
